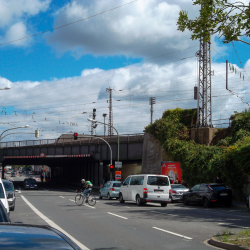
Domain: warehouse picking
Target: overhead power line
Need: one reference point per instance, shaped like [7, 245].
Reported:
[65, 25]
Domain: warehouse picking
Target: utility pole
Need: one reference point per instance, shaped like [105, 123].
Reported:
[93, 125]
[104, 115]
[110, 128]
[204, 101]
[151, 102]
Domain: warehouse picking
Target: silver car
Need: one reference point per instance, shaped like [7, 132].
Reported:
[10, 193]
[110, 190]
[177, 191]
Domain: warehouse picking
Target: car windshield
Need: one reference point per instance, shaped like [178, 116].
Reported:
[218, 187]
[117, 184]
[30, 181]
[177, 186]
[1, 191]
[8, 186]
[158, 181]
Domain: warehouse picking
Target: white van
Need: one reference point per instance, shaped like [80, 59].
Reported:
[145, 188]
[3, 197]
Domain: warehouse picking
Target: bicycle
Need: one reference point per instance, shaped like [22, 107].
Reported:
[80, 198]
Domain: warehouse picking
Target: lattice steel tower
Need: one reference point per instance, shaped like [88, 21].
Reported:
[204, 101]
[110, 127]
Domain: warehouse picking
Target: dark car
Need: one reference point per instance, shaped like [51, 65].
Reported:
[30, 183]
[208, 194]
[247, 202]
[25, 236]
[10, 193]
[13, 174]
[4, 216]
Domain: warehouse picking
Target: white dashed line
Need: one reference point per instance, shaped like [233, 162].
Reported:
[53, 224]
[182, 236]
[61, 196]
[127, 207]
[118, 216]
[71, 200]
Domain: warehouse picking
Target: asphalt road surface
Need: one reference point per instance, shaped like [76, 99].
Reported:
[111, 225]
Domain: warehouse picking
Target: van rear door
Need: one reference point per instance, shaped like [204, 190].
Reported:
[158, 187]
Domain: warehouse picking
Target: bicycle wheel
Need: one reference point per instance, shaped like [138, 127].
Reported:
[79, 199]
[91, 200]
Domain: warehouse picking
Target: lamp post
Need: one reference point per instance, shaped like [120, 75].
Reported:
[94, 121]
[1, 137]
[109, 148]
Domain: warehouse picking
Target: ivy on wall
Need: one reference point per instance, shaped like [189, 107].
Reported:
[229, 158]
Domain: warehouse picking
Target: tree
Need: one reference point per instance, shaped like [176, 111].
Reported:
[230, 20]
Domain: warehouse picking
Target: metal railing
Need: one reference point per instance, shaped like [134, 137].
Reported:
[70, 141]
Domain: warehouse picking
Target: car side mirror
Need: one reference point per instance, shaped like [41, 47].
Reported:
[10, 195]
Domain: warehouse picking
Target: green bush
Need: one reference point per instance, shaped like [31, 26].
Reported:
[230, 158]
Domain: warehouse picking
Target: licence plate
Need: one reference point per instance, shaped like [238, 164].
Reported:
[158, 191]
[223, 194]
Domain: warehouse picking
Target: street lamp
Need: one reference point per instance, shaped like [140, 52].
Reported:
[94, 121]
[5, 88]
[26, 126]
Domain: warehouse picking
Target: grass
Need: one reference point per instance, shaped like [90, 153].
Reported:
[241, 238]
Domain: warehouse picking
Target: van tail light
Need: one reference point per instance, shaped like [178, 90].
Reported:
[145, 190]
[174, 192]
[210, 188]
[169, 191]
[112, 189]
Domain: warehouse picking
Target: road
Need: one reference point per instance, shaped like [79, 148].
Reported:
[111, 225]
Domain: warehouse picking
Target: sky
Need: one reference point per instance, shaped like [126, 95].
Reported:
[59, 57]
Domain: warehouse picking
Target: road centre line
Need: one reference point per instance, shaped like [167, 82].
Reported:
[61, 196]
[71, 200]
[118, 216]
[182, 236]
[84, 204]
[53, 224]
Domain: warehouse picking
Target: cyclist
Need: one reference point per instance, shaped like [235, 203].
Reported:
[86, 187]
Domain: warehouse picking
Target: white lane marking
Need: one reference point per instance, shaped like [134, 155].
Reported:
[118, 216]
[155, 204]
[19, 191]
[84, 204]
[88, 206]
[61, 196]
[53, 224]
[127, 207]
[182, 236]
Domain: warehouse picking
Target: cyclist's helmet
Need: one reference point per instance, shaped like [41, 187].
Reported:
[82, 180]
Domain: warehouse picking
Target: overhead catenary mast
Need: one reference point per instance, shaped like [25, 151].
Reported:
[204, 101]
[110, 127]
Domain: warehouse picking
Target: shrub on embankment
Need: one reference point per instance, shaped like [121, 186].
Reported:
[229, 158]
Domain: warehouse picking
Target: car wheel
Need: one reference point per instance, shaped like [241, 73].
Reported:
[205, 203]
[164, 204]
[172, 201]
[185, 201]
[109, 197]
[121, 198]
[100, 196]
[12, 208]
[138, 200]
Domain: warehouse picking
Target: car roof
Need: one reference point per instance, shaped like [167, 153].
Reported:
[26, 236]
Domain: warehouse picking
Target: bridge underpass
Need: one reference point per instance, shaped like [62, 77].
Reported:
[70, 160]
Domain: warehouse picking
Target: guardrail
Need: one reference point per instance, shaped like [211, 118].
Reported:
[70, 141]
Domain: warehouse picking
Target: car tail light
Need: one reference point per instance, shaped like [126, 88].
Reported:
[169, 191]
[112, 189]
[145, 190]
[213, 200]
[174, 192]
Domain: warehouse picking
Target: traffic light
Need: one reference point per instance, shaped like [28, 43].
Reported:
[111, 168]
[75, 136]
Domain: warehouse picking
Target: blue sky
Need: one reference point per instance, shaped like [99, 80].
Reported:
[57, 78]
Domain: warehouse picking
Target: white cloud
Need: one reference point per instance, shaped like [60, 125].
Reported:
[12, 10]
[145, 28]
[63, 105]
